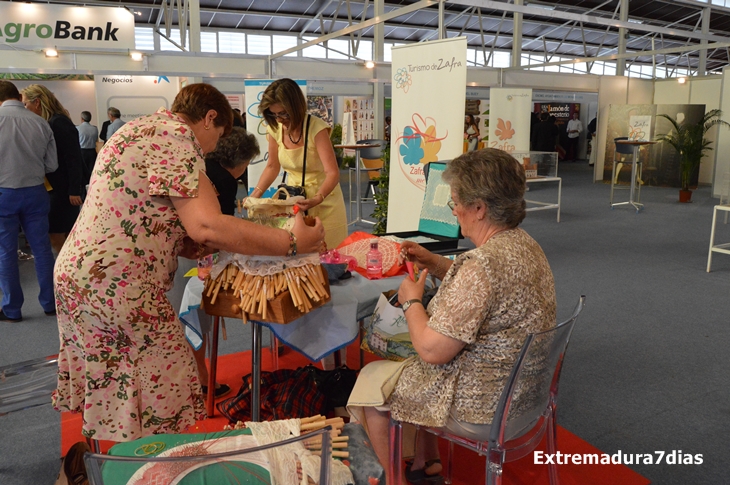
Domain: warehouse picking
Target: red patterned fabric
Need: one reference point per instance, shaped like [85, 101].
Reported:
[285, 394]
[357, 245]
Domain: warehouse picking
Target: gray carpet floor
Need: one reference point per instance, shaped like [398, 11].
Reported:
[647, 367]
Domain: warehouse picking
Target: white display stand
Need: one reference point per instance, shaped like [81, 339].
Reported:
[540, 168]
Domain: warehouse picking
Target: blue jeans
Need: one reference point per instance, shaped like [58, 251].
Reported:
[27, 208]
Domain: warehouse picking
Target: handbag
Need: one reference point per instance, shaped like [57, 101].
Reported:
[386, 333]
[297, 190]
[285, 394]
[277, 211]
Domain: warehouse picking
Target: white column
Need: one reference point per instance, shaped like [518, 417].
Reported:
[622, 37]
[517, 37]
[378, 56]
[194, 19]
[702, 66]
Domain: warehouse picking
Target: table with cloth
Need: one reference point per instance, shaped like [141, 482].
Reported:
[315, 335]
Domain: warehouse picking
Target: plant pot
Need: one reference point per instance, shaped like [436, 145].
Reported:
[685, 195]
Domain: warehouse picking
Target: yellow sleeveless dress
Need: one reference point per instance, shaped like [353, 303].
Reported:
[332, 210]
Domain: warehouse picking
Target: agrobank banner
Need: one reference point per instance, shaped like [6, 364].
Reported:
[43, 25]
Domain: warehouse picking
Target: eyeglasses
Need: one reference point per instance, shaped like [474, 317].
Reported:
[451, 204]
[281, 116]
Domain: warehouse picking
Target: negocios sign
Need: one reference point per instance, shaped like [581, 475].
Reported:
[43, 25]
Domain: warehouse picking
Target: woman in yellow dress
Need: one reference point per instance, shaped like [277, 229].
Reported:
[284, 108]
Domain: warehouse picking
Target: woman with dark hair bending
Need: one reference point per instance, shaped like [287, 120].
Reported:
[470, 335]
[284, 108]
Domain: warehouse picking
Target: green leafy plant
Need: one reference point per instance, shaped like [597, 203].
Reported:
[336, 139]
[348, 161]
[380, 214]
[688, 139]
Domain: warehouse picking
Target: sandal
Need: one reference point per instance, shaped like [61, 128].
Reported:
[73, 464]
[420, 477]
[220, 390]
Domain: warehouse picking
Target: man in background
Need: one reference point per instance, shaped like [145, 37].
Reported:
[115, 121]
[88, 135]
[544, 134]
[27, 154]
[575, 127]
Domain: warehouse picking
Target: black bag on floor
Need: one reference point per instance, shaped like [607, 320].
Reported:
[335, 384]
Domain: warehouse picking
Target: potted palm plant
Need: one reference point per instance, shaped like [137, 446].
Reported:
[688, 139]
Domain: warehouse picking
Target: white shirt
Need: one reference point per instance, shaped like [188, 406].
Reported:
[574, 125]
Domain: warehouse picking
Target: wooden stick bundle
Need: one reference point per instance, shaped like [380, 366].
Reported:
[305, 285]
[314, 444]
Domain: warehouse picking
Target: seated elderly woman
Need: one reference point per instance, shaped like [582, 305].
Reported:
[468, 338]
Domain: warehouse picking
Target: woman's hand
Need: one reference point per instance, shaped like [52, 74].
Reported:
[415, 252]
[307, 204]
[309, 239]
[410, 289]
[194, 250]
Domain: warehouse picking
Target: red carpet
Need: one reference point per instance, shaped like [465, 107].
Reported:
[468, 466]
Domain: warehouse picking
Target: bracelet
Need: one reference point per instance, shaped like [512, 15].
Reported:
[292, 245]
[257, 188]
[319, 194]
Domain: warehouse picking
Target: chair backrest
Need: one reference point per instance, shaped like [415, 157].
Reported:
[623, 148]
[372, 153]
[27, 384]
[533, 383]
[373, 166]
[220, 468]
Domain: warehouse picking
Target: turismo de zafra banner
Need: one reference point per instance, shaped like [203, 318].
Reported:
[42, 25]
[429, 92]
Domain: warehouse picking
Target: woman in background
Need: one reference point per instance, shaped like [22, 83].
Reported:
[471, 132]
[285, 109]
[67, 181]
[224, 166]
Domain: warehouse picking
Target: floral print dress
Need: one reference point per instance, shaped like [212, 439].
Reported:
[124, 362]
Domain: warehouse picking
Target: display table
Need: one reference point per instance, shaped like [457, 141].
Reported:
[536, 205]
[636, 145]
[315, 335]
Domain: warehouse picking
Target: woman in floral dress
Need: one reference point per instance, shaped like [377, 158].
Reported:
[124, 362]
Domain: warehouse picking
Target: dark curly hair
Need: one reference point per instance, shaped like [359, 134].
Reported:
[235, 149]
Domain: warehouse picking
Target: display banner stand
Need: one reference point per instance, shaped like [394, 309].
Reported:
[429, 92]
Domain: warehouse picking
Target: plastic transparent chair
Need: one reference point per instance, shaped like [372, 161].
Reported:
[27, 384]
[619, 154]
[102, 469]
[526, 410]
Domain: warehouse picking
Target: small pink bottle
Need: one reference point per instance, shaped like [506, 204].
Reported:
[374, 260]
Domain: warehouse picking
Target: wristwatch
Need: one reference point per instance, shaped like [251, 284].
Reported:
[408, 304]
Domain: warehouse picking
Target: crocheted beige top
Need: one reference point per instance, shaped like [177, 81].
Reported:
[491, 298]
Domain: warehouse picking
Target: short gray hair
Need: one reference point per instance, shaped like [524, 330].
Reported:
[86, 116]
[493, 177]
[114, 112]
